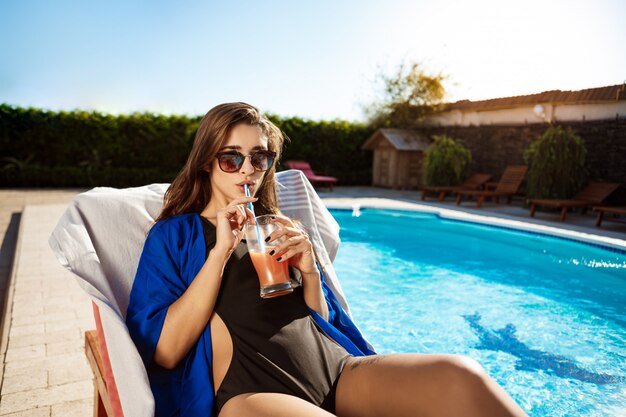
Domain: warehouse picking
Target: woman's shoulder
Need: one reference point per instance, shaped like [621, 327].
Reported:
[178, 223]
[173, 235]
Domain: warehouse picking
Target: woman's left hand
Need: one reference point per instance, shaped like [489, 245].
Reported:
[296, 249]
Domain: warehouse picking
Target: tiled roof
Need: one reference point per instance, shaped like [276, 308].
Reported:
[587, 96]
[401, 139]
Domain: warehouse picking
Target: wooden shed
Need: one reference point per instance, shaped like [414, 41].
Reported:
[398, 157]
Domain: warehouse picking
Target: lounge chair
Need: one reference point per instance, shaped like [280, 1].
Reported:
[310, 175]
[100, 237]
[604, 209]
[592, 195]
[508, 186]
[474, 182]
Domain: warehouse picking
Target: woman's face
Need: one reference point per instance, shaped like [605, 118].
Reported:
[245, 139]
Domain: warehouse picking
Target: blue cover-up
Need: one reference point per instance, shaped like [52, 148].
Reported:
[173, 254]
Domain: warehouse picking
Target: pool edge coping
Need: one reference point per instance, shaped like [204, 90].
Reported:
[459, 215]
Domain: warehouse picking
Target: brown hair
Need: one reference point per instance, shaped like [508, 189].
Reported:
[191, 189]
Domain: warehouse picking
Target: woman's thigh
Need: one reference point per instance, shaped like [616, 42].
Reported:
[419, 385]
[270, 405]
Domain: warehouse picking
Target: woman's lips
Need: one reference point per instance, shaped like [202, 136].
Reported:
[250, 187]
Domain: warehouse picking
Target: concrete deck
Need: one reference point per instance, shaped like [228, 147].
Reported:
[44, 371]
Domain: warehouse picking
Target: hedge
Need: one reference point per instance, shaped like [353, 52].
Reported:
[42, 148]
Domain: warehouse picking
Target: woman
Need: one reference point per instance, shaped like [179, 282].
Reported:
[212, 346]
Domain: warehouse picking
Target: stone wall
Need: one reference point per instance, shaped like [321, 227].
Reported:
[494, 147]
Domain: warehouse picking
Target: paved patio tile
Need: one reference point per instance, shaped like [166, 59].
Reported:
[62, 348]
[27, 298]
[69, 324]
[36, 412]
[64, 300]
[25, 382]
[59, 316]
[66, 375]
[25, 353]
[26, 400]
[26, 330]
[27, 308]
[51, 363]
[45, 338]
[35, 285]
[80, 408]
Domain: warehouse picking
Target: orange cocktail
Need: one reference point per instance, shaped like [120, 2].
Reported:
[274, 277]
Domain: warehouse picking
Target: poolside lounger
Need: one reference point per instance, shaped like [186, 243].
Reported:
[604, 209]
[99, 238]
[101, 402]
[310, 175]
[508, 186]
[474, 182]
[592, 195]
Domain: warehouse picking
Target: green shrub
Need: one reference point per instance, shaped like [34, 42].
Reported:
[446, 162]
[556, 164]
[40, 148]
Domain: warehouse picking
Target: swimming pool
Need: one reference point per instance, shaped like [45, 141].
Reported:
[545, 316]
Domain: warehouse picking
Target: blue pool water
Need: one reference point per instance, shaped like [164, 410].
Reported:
[545, 316]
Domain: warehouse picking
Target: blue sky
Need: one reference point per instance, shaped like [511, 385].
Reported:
[314, 59]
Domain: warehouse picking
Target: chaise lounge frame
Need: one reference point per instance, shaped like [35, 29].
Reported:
[604, 209]
[509, 185]
[474, 182]
[592, 195]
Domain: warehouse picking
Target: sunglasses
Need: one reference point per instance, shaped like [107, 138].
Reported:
[232, 161]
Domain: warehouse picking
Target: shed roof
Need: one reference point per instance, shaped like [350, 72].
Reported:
[611, 93]
[401, 139]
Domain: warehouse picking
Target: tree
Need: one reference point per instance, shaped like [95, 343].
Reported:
[446, 162]
[409, 95]
[557, 164]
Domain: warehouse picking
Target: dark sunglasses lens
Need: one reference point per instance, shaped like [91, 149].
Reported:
[230, 162]
[262, 161]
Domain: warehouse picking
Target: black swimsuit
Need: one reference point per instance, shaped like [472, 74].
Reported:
[277, 346]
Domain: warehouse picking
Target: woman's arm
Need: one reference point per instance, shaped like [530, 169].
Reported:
[188, 316]
[313, 293]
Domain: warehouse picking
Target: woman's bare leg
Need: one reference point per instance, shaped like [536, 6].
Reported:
[420, 385]
[270, 405]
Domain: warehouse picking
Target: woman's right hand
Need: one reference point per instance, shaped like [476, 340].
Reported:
[230, 222]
